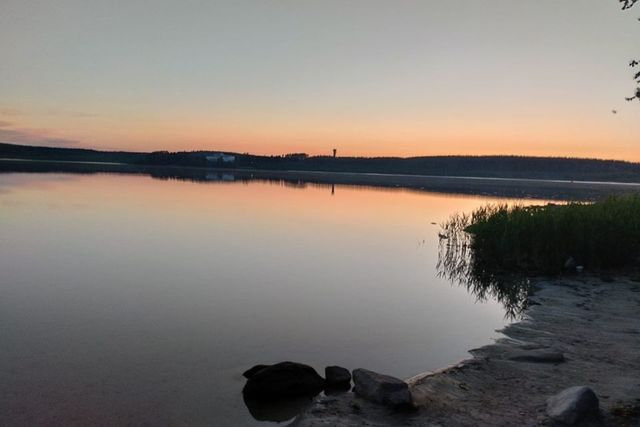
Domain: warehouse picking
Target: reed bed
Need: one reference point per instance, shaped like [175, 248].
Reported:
[551, 239]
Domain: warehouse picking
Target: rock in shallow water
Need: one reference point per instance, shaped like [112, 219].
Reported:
[336, 376]
[573, 404]
[282, 380]
[382, 389]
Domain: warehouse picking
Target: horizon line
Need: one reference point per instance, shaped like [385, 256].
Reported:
[325, 155]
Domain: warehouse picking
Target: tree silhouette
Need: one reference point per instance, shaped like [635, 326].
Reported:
[627, 4]
[634, 63]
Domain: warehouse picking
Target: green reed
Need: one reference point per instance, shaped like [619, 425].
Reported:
[540, 239]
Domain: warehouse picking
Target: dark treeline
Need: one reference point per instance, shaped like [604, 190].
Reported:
[474, 166]
[67, 154]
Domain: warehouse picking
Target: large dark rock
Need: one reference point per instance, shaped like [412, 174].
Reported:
[382, 389]
[282, 380]
[337, 377]
[572, 405]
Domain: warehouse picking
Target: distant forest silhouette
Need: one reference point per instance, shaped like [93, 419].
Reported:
[518, 167]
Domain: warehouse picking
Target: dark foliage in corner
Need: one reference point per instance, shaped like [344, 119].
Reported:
[628, 4]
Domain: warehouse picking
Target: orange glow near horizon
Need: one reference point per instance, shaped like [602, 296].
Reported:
[401, 139]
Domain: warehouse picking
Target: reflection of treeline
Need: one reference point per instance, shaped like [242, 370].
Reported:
[481, 166]
[494, 188]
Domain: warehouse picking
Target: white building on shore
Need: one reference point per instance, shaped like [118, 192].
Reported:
[225, 158]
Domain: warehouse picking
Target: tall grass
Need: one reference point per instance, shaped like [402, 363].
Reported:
[540, 239]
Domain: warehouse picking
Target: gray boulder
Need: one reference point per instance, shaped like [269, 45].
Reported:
[282, 380]
[382, 389]
[572, 405]
[337, 377]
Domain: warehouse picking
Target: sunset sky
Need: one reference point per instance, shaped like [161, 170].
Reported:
[368, 77]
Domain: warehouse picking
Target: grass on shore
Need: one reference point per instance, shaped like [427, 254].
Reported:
[540, 239]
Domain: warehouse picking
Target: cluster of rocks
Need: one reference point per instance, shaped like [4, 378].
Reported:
[290, 380]
[287, 380]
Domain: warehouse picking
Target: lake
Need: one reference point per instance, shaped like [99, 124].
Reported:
[127, 299]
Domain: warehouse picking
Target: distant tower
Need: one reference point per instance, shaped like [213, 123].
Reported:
[335, 151]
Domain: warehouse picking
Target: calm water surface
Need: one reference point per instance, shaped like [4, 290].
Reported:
[131, 300]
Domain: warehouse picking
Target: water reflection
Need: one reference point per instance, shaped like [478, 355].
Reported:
[138, 299]
[142, 294]
[524, 189]
[278, 411]
[462, 265]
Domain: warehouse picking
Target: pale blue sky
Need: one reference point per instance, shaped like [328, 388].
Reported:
[373, 77]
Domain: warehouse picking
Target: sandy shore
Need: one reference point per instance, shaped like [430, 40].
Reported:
[594, 324]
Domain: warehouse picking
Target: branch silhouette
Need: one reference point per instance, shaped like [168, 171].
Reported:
[628, 4]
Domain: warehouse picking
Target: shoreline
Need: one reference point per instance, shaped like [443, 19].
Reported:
[524, 188]
[593, 324]
[309, 173]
